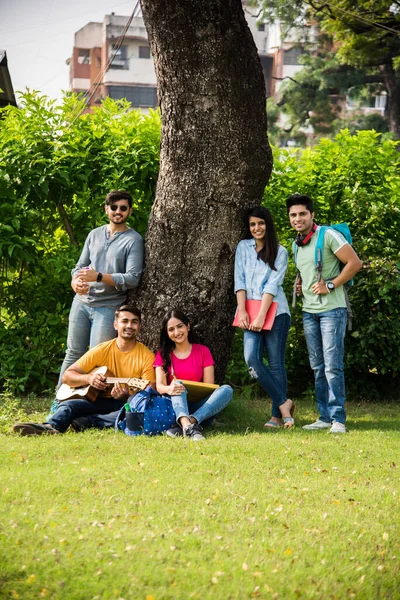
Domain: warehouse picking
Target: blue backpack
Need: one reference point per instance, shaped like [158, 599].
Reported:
[149, 414]
[342, 228]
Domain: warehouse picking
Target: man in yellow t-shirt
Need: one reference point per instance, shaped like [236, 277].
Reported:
[124, 356]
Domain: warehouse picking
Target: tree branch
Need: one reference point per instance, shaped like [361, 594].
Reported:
[287, 77]
[66, 222]
[321, 9]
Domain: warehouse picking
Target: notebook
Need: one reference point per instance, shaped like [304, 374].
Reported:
[198, 390]
[252, 308]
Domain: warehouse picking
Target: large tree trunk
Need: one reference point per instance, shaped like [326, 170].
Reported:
[392, 84]
[215, 163]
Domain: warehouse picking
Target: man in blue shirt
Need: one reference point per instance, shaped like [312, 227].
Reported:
[110, 265]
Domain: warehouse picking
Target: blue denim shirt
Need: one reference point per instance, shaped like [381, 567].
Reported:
[257, 278]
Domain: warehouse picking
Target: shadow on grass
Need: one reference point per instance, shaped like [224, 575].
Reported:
[246, 414]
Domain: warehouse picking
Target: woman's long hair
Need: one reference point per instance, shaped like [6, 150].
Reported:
[166, 344]
[269, 251]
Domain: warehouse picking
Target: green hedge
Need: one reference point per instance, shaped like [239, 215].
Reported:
[353, 178]
[55, 169]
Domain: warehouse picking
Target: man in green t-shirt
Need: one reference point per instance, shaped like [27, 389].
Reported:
[324, 309]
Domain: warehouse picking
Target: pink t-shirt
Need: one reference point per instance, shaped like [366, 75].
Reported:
[189, 368]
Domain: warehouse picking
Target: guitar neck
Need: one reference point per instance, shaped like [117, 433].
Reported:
[131, 381]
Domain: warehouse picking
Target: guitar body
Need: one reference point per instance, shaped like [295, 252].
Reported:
[87, 392]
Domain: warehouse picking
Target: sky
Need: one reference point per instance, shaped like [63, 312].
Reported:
[38, 36]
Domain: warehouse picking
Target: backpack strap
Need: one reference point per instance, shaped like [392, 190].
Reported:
[319, 247]
[349, 310]
[318, 254]
[294, 294]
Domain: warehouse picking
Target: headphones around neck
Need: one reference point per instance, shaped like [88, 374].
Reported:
[303, 240]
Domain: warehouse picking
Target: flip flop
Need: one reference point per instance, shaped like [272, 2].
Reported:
[272, 425]
[288, 422]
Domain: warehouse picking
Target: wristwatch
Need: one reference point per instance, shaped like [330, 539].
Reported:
[99, 277]
[330, 286]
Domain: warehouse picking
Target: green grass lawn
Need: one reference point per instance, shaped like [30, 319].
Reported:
[246, 514]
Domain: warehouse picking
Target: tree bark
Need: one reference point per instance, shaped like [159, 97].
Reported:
[392, 113]
[215, 162]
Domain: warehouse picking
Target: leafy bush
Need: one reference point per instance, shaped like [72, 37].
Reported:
[353, 179]
[55, 169]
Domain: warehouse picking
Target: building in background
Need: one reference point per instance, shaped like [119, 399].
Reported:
[278, 53]
[280, 49]
[131, 73]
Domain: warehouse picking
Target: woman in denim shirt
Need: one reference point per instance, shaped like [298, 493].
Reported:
[260, 267]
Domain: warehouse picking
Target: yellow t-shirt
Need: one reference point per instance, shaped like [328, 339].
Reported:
[138, 362]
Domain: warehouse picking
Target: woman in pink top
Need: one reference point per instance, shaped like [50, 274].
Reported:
[180, 357]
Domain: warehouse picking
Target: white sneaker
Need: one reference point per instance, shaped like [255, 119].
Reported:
[338, 427]
[317, 425]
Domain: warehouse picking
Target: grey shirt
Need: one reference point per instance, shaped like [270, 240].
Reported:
[121, 256]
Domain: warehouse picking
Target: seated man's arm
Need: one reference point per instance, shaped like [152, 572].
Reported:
[75, 376]
[120, 391]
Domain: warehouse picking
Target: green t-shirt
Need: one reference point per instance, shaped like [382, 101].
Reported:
[333, 241]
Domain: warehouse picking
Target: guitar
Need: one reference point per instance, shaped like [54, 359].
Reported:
[65, 392]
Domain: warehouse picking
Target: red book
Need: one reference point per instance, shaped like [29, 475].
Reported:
[253, 308]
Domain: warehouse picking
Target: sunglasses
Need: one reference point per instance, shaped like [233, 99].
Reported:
[115, 207]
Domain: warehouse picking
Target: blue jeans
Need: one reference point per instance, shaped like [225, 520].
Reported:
[204, 409]
[324, 334]
[272, 379]
[88, 326]
[70, 410]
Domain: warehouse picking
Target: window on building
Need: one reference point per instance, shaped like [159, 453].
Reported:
[144, 51]
[291, 56]
[139, 96]
[83, 57]
[380, 101]
[261, 27]
[119, 57]
[267, 65]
